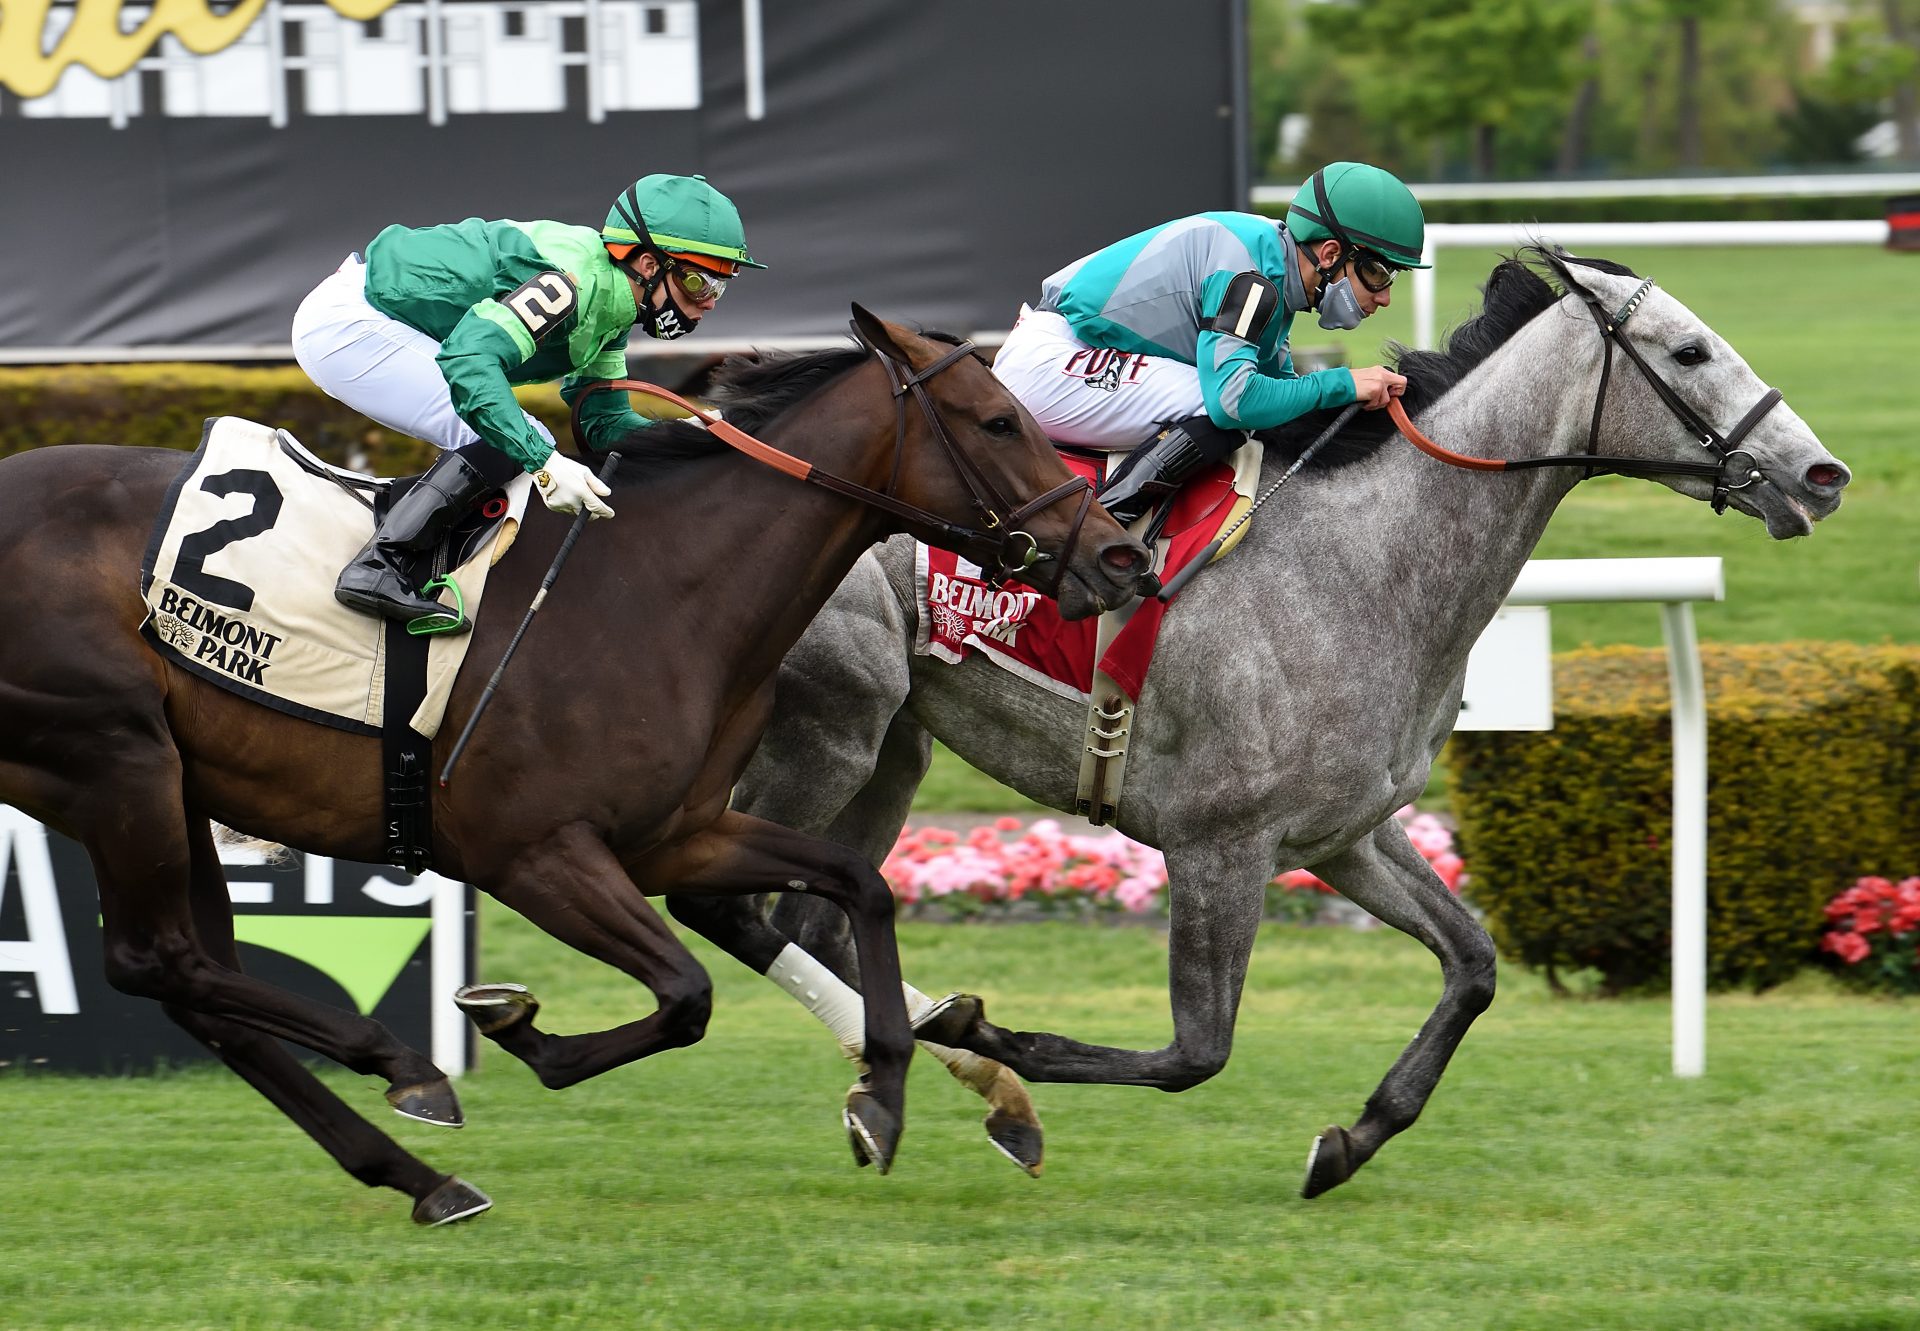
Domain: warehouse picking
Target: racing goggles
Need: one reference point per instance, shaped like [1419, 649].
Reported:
[1374, 272]
[697, 281]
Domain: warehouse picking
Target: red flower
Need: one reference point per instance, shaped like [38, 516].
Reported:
[1849, 947]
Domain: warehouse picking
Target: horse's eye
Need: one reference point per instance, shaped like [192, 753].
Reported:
[1690, 353]
[1005, 426]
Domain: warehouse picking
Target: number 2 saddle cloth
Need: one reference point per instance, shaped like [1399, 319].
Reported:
[238, 580]
[1021, 631]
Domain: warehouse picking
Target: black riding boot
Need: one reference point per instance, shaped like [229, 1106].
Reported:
[373, 582]
[1158, 467]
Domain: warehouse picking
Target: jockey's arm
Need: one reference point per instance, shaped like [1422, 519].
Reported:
[476, 358]
[1246, 371]
[607, 418]
[1239, 396]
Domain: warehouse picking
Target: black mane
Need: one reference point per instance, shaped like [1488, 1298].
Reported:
[1514, 295]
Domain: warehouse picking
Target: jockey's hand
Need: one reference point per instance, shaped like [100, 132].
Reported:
[1375, 385]
[565, 486]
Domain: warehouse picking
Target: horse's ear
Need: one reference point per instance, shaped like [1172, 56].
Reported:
[876, 333]
[1562, 264]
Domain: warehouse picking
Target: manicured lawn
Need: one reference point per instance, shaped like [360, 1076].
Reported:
[1560, 1177]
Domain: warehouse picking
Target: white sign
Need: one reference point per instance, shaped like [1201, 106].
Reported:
[1510, 674]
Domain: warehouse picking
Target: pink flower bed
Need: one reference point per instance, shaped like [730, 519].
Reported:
[1877, 933]
[1044, 867]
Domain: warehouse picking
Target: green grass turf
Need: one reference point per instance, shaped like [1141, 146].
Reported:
[1837, 329]
[1559, 1179]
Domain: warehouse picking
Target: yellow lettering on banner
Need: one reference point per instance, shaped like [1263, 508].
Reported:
[95, 39]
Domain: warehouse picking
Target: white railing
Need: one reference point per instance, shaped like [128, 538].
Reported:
[1852, 185]
[1575, 235]
[1674, 584]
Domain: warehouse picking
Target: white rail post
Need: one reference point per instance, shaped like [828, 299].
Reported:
[1674, 583]
[755, 56]
[1689, 841]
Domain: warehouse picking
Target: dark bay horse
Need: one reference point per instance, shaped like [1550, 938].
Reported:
[602, 770]
[1302, 688]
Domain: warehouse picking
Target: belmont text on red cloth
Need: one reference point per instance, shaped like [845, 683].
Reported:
[1021, 630]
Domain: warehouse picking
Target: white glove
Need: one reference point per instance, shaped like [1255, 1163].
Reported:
[565, 486]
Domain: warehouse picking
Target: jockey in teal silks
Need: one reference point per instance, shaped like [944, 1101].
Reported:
[1173, 343]
[429, 332]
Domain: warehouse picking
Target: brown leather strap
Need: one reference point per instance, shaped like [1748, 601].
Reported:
[1431, 449]
[731, 435]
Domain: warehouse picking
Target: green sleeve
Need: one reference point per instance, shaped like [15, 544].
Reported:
[607, 418]
[475, 359]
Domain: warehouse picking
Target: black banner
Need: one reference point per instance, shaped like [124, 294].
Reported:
[930, 161]
[357, 936]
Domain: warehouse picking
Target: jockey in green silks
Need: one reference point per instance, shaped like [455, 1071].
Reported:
[430, 331]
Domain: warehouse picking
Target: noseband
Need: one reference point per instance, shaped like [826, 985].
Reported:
[1726, 473]
[998, 545]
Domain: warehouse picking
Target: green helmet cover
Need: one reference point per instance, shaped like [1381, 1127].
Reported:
[1362, 205]
[682, 213]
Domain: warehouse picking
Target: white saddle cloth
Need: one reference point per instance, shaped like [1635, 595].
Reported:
[238, 580]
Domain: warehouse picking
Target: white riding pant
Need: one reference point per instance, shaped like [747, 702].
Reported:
[380, 367]
[1094, 397]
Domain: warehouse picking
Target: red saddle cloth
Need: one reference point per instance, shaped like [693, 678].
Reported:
[1020, 629]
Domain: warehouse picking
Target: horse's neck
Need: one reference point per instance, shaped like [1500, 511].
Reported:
[1441, 546]
[796, 541]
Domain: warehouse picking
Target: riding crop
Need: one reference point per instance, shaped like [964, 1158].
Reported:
[1205, 557]
[539, 598]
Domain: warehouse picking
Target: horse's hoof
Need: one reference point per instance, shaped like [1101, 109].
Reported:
[1019, 1140]
[494, 1007]
[431, 1102]
[455, 1199]
[948, 1021]
[1330, 1163]
[873, 1130]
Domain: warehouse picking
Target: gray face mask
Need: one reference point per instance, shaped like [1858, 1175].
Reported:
[1339, 307]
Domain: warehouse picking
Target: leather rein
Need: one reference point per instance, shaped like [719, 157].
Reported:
[1725, 447]
[998, 545]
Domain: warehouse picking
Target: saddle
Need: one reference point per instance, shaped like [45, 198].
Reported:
[238, 580]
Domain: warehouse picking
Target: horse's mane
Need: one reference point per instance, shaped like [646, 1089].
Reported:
[1514, 295]
[752, 388]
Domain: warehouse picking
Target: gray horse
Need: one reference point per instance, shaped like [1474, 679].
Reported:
[1301, 688]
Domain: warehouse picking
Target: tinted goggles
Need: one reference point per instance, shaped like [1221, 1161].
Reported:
[1374, 272]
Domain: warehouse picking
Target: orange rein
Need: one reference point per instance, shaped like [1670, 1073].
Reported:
[1431, 449]
[735, 437]
[731, 435]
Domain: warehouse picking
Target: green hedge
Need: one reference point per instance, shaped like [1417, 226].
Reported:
[164, 405]
[1813, 780]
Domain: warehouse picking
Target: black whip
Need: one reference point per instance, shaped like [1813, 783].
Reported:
[1205, 557]
[539, 598]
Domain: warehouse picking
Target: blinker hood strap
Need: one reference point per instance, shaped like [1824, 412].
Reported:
[1338, 308]
[628, 206]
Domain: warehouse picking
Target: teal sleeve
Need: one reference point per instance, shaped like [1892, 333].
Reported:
[475, 359]
[1240, 396]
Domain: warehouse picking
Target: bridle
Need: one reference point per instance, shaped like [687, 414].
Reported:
[998, 545]
[1726, 448]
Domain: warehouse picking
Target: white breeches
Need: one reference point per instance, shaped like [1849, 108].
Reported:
[380, 367]
[1093, 397]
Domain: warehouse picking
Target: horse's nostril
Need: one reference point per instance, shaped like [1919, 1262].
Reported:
[1827, 477]
[1123, 558]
